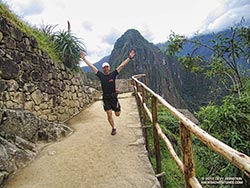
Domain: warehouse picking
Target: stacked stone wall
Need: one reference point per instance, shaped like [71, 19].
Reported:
[31, 81]
[36, 96]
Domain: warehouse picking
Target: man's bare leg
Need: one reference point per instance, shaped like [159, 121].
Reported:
[111, 121]
[118, 113]
[110, 118]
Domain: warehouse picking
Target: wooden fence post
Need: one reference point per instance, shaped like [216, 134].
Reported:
[145, 81]
[145, 129]
[187, 154]
[187, 129]
[156, 140]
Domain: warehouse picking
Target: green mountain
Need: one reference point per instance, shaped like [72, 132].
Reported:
[195, 90]
[149, 60]
[165, 74]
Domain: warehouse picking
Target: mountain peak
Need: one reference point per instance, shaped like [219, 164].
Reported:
[131, 39]
[148, 60]
[132, 33]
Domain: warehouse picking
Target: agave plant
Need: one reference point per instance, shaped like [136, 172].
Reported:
[66, 44]
[69, 47]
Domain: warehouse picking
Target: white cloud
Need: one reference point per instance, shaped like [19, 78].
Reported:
[88, 26]
[111, 37]
[101, 23]
[27, 7]
[229, 13]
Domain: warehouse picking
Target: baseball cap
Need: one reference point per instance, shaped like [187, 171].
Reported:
[105, 64]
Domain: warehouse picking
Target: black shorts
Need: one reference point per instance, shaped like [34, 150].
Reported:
[110, 102]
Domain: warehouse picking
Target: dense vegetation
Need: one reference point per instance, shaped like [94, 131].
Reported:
[229, 121]
[229, 59]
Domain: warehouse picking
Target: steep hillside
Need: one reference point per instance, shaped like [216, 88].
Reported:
[196, 90]
[149, 60]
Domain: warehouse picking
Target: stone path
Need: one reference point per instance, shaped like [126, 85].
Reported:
[91, 157]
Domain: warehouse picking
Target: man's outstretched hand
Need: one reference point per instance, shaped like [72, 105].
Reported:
[82, 54]
[131, 54]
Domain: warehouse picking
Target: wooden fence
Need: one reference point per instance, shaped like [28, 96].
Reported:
[187, 129]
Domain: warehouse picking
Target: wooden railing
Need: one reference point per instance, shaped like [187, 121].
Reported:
[187, 129]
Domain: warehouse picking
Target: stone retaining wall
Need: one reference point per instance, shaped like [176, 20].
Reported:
[30, 80]
[36, 96]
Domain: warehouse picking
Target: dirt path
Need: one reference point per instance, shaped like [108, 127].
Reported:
[91, 157]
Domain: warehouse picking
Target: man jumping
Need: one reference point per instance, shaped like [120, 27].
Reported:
[107, 78]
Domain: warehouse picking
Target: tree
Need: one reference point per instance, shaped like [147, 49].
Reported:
[227, 55]
[229, 122]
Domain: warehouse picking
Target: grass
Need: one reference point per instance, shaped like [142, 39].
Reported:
[173, 178]
[206, 160]
[43, 40]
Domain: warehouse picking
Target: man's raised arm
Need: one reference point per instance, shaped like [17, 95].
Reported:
[94, 69]
[126, 61]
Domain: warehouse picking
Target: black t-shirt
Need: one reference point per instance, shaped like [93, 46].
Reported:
[108, 81]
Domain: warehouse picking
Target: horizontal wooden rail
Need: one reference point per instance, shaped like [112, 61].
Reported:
[170, 148]
[239, 159]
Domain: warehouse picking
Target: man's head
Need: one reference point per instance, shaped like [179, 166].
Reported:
[105, 68]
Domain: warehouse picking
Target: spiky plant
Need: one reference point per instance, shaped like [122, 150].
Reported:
[69, 47]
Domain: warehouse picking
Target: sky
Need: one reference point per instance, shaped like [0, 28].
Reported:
[100, 23]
